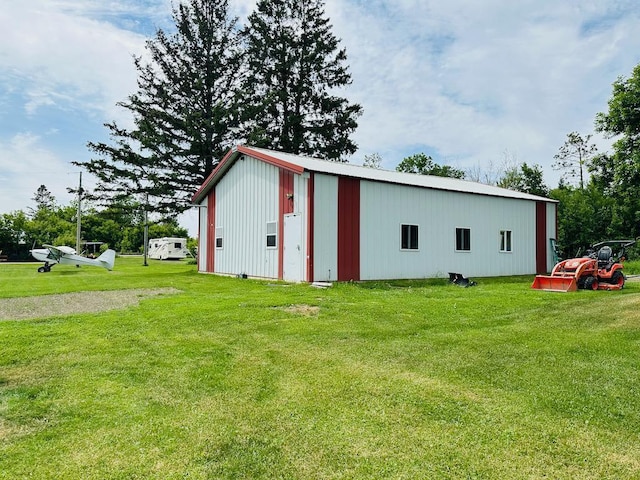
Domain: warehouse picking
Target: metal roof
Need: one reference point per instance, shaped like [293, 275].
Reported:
[299, 164]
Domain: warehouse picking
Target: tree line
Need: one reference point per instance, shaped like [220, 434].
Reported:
[119, 226]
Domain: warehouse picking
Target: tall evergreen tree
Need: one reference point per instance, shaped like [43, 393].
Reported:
[295, 68]
[184, 112]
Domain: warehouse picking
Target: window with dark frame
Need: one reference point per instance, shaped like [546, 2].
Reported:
[463, 239]
[409, 237]
[505, 241]
[272, 234]
[219, 235]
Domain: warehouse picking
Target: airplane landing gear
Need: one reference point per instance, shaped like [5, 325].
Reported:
[45, 268]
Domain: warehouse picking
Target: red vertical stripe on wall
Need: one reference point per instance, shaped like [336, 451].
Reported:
[285, 205]
[541, 237]
[211, 231]
[348, 229]
[310, 222]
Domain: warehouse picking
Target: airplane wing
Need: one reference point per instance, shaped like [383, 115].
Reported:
[54, 252]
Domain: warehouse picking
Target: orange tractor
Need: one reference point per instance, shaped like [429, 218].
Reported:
[601, 269]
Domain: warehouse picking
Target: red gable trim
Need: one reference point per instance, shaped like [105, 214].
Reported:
[208, 183]
[231, 157]
[271, 160]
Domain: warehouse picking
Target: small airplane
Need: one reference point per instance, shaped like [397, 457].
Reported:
[64, 255]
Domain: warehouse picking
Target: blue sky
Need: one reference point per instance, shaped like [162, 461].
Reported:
[474, 84]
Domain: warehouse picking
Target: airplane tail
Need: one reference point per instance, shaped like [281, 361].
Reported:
[107, 259]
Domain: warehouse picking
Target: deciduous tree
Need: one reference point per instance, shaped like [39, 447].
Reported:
[524, 178]
[373, 160]
[424, 165]
[622, 168]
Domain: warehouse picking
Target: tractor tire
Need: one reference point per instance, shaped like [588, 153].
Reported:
[618, 279]
[591, 283]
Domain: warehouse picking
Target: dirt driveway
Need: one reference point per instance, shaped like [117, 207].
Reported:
[72, 303]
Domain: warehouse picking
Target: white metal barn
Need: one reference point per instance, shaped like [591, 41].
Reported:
[275, 215]
[167, 248]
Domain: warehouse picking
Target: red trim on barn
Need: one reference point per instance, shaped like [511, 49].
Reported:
[285, 206]
[208, 182]
[310, 223]
[271, 160]
[211, 231]
[541, 238]
[231, 157]
[348, 229]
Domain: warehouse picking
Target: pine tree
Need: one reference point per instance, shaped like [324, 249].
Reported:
[574, 156]
[44, 200]
[295, 68]
[184, 112]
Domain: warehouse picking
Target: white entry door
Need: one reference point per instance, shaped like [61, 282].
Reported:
[292, 270]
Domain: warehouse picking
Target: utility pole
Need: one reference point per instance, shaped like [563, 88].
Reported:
[146, 229]
[78, 220]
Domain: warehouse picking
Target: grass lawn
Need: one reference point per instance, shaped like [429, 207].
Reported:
[231, 378]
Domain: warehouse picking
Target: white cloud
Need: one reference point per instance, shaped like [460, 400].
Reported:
[59, 57]
[27, 164]
[471, 79]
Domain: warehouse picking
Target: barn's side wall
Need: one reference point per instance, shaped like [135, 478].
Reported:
[247, 198]
[253, 193]
[385, 207]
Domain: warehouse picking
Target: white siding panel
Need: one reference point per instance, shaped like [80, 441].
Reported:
[202, 236]
[325, 230]
[384, 207]
[246, 199]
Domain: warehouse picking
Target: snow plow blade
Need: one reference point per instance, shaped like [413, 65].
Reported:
[555, 284]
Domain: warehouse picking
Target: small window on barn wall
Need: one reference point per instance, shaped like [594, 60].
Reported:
[272, 234]
[463, 239]
[219, 236]
[409, 237]
[505, 240]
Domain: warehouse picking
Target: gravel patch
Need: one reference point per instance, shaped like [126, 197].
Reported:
[22, 308]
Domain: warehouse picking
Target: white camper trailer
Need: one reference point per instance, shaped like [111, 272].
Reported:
[168, 248]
